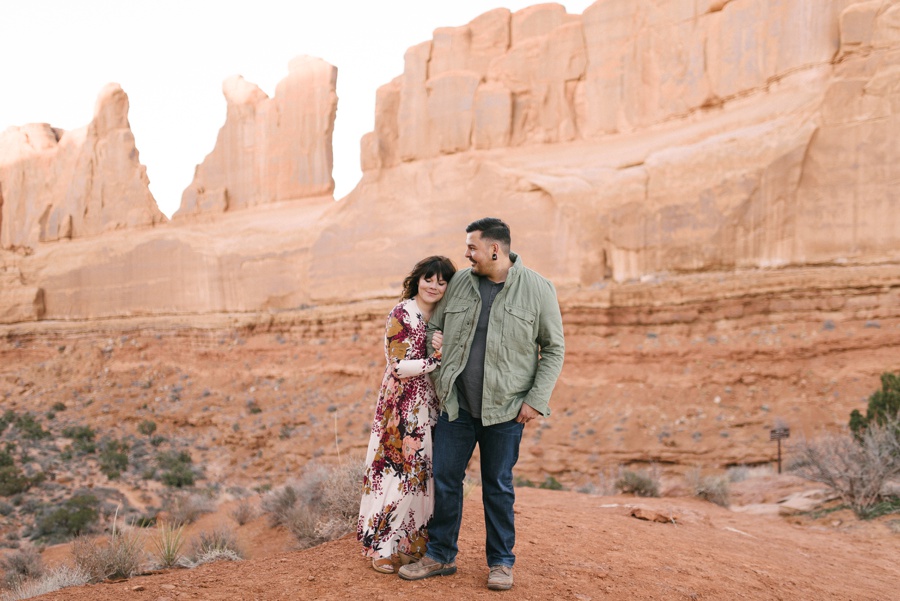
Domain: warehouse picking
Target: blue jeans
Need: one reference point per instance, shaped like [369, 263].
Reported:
[454, 443]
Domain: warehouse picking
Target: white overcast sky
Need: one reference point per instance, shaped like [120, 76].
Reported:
[171, 57]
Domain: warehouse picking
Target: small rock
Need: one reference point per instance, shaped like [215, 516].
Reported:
[167, 587]
[138, 588]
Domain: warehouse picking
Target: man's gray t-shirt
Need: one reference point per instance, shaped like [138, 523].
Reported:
[470, 383]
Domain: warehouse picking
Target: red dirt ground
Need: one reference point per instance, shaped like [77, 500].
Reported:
[579, 547]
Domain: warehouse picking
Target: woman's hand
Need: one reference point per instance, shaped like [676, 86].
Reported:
[437, 340]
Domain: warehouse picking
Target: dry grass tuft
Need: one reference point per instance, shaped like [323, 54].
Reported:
[713, 488]
[186, 508]
[322, 505]
[244, 512]
[167, 545]
[119, 555]
[20, 566]
[55, 579]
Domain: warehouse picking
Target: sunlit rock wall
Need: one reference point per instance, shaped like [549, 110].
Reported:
[57, 184]
[269, 149]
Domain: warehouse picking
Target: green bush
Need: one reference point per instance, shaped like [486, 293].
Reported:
[884, 406]
[30, 428]
[8, 417]
[12, 480]
[176, 469]
[147, 427]
[73, 518]
[114, 459]
[82, 438]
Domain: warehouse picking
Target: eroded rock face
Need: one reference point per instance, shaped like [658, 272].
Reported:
[653, 138]
[270, 149]
[57, 184]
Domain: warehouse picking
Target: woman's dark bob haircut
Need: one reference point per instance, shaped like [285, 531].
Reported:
[427, 267]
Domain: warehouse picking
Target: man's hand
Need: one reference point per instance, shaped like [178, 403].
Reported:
[437, 340]
[527, 413]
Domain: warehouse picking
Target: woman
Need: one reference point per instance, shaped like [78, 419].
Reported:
[398, 499]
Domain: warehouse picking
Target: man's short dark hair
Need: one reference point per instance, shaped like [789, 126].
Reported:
[492, 228]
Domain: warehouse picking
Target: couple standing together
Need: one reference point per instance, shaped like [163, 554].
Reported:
[497, 339]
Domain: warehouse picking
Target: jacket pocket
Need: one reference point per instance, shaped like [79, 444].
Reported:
[518, 328]
[457, 323]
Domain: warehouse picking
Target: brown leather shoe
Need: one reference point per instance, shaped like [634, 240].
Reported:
[500, 578]
[425, 568]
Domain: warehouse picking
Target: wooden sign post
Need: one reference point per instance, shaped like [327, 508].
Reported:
[778, 434]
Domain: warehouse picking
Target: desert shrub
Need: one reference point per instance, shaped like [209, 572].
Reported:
[739, 473]
[217, 545]
[279, 502]
[82, 438]
[58, 406]
[883, 407]
[638, 483]
[243, 512]
[322, 505]
[75, 517]
[30, 428]
[549, 483]
[25, 564]
[8, 417]
[113, 459]
[856, 468]
[12, 480]
[119, 555]
[60, 577]
[147, 427]
[176, 468]
[186, 508]
[167, 545]
[712, 488]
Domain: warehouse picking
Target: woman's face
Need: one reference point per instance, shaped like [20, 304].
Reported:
[432, 289]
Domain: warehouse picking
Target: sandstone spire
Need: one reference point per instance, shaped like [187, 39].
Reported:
[66, 184]
[269, 149]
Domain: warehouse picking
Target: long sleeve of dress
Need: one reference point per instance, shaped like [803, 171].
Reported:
[405, 346]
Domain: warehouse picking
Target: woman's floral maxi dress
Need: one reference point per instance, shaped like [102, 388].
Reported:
[398, 499]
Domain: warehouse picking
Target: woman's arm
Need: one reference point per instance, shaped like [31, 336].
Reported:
[398, 346]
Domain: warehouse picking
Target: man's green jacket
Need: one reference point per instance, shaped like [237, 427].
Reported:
[524, 350]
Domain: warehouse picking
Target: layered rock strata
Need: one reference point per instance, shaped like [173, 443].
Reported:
[269, 149]
[57, 184]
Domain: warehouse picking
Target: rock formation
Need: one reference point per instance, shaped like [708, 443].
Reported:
[638, 143]
[57, 184]
[646, 139]
[270, 149]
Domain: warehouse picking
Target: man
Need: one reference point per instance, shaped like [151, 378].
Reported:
[502, 354]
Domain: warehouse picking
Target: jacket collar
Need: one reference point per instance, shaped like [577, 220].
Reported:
[511, 276]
